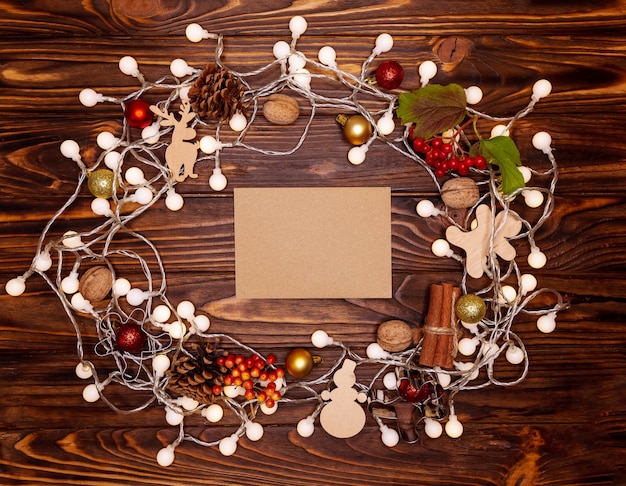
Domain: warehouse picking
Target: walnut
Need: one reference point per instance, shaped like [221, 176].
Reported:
[96, 283]
[460, 193]
[394, 335]
[281, 109]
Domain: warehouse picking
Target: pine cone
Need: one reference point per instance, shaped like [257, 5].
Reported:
[217, 93]
[194, 376]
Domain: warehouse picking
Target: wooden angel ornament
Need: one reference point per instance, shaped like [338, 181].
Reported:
[342, 416]
[180, 154]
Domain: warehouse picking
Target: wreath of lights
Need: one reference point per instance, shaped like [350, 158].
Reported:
[165, 331]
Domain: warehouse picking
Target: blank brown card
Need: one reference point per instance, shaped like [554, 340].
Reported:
[299, 243]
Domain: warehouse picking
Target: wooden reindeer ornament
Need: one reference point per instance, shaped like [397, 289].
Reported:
[180, 153]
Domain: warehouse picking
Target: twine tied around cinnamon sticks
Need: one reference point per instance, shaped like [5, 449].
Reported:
[439, 346]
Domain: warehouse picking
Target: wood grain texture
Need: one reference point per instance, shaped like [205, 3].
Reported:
[565, 424]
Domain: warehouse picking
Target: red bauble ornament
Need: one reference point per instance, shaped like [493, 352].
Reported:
[389, 74]
[130, 337]
[138, 114]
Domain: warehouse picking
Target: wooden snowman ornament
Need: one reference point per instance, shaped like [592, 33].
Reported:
[343, 417]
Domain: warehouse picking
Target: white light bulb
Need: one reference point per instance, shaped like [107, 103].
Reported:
[297, 26]
[173, 418]
[356, 155]
[231, 391]
[536, 258]
[302, 77]
[43, 262]
[269, 410]
[390, 381]
[128, 65]
[389, 436]
[183, 92]
[296, 62]
[160, 364]
[121, 287]
[173, 200]
[136, 297]
[88, 97]
[547, 323]
[71, 239]
[180, 68]
[106, 140]
[101, 207]
[165, 457]
[161, 313]
[441, 248]
[254, 431]
[186, 310]
[514, 355]
[306, 427]
[218, 181]
[202, 322]
[143, 195]
[499, 130]
[528, 283]
[425, 208]
[473, 94]
[384, 43]
[541, 141]
[70, 149]
[70, 284]
[375, 351]
[320, 339]
[188, 403]
[489, 350]
[541, 89]
[238, 122]
[385, 124]
[83, 371]
[209, 145]
[195, 33]
[427, 71]
[444, 379]
[463, 366]
[508, 294]
[134, 176]
[533, 197]
[467, 346]
[327, 56]
[454, 428]
[281, 50]
[213, 413]
[177, 330]
[91, 393]
[433, 428]
[16, 286]
[150, 134]
[526, 173]
[112, 160]
[228, 445]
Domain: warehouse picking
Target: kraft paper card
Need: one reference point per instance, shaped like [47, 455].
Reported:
[299, 243]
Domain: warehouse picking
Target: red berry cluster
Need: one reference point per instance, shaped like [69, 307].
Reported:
[257, 376]
[445, 157]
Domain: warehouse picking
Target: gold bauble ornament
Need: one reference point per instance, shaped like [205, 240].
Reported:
[470, 308]
[100, 183]
[356, 129]
[300, 362]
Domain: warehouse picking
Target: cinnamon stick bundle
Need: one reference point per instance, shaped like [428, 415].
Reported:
[439, 330]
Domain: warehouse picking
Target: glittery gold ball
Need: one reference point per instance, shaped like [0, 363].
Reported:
[470, 308]
[299, 362]
[100, 183]
[356, 129]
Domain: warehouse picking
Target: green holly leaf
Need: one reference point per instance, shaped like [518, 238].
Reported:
[503, 152]
[433, 108]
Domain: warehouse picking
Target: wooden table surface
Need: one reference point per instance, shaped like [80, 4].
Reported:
[565, 424]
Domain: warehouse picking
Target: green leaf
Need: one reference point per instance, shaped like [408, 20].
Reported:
[502, 151]
[433, 108]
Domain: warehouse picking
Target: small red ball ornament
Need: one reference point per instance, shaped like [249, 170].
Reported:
[138, 114]
[130, 337]
[389, 75]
